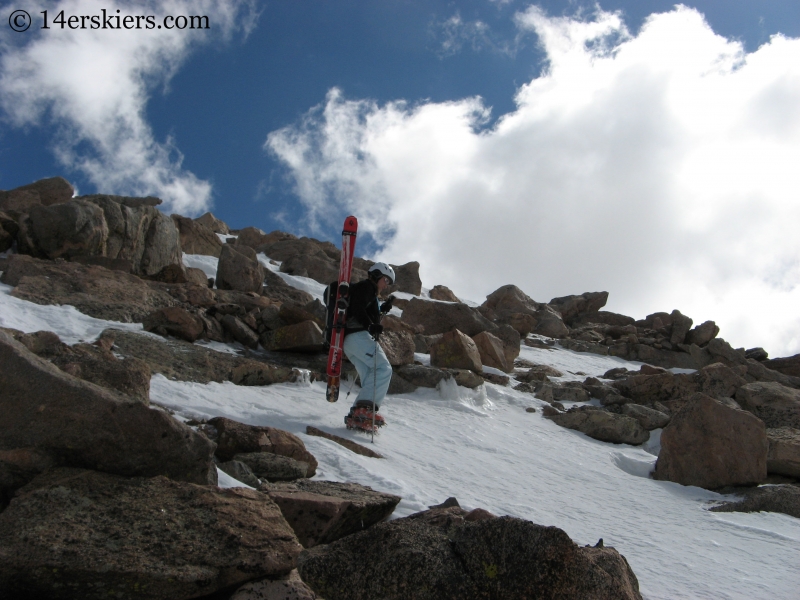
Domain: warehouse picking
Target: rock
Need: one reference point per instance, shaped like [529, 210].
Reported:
[303, 337]
[441, 317]
[573, 308]
[239, 438]
[73, 228]
[406, 279]
[85, 425]
[550, 411]
[783, 455]
[602, 425]
[257, 239]
[570, 391]
[549, 323]
[581, 346]
[288, 588]
[138, 232]
[539, 373]
[501, 558]
[788, 366]
[213, 223]
[45, 192]
[174, 321]
[681, 325]
[421, 376]
[511, 340]
[239, 331]
[177, 359]
[239, 269]
[711, 445]
[662, 358]
[349, 444]
[758, 354]
[145, 538]
[456, 351]
[277, 290]
[773, 403]
[648, 418]
[774, 498]
[93, 290]
[702, 334]
[508, 300]
[273, 467]
[18, 467]
[320, 267]
[321, 512]
[492, 352]
[443, 293]
[398, 346]
[465, 378]
[241, 472]
[196, 238]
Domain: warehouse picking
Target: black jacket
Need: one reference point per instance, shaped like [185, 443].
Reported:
[363, 309]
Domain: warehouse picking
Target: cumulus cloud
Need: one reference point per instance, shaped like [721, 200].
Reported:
[661, 167]
[91, 87]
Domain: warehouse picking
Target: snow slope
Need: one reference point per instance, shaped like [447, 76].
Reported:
[485, 449]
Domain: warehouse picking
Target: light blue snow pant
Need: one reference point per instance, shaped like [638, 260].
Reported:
[360, 349]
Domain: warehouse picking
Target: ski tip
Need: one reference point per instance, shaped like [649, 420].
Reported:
[350, 225]
[332, 393]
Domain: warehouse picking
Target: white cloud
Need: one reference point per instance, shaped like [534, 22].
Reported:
[91, 88]
[660, 167]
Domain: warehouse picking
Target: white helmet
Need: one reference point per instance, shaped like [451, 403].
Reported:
[381, 269]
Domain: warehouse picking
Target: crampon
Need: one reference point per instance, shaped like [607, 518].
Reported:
[361, 420]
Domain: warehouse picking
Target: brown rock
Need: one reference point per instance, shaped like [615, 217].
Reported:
[257, 239]
[239, 331]
[73, 228]
[456, 351]
[285, 588]
[213, 223]
[321, 512]
[783, 456]
[773, 403]
[238, 438]
[349, 444]
[549, 323]
[773, 498]
[273, 467]
[88, 426]
[398, 347]
[442, 292]
[602, 425]
[44, 192]
[196, 238]
[788, 366]
[711, 445]
[573, 308]
[145, 538]
[441, 317]
[681, 325]
[406, 279]
[511, 340]
[174, 321]
[238, 269]
[508, 300]
[303, 337]
[702, 334]
[492, 352]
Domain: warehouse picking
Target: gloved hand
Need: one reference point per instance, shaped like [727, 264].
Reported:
[387, 306]
[375, 329]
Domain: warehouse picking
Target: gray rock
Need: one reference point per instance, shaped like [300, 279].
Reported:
[239, 331]
[783, 456]
[421, 376]
[602, 425]
[769, 498]
[45, 192]
[78, 534]
[197, 238]
[213, 223]
[773, 403]
[286, 588]
[648, 418]
[84, 425]
[455, 350]
[238, 269]
[440, 555]
[321, 512]
[174, 321]
[573, 308]
[398, 346]
[240, 471]
[441, 317]
[273, 467]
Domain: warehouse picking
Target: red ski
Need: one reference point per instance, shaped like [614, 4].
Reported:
[336, 353]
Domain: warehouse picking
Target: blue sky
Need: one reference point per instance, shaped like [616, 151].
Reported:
[416, 116]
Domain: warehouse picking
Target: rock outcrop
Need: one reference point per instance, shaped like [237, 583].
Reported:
[602, 425]
[441, 317]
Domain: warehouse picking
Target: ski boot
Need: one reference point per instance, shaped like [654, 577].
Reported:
[360, 417]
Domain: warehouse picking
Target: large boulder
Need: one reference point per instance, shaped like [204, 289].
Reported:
[443, 293]
[451, 556]
[239, 438]
[440, 317]
[73, 228]
[509, 300]
[302, 337]
[406, 279]
[702, 334]
[238, 269]
[773, 498]
[773, 403]
[316, 267]
[602, 425]
[84, 425]
[213, 223]
[648, 418]
[257, 239]
[512, 341]
[788, 366]
[45, 192]
[492, 352]
[174, 321]
[398, 347]
[93, 290]
[549, 323]
[82, 534]
[573, 308]
[783, 456]
[710, 444]
[273, 467]
[456, 350]
[421, 376]
[321, 512]
[196, 238]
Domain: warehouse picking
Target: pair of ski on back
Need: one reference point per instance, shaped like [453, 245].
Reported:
[361, 419]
